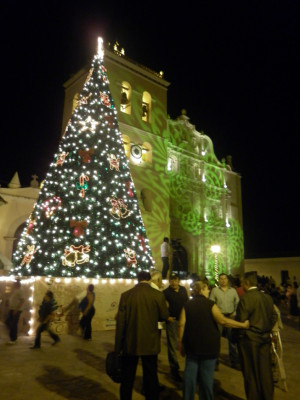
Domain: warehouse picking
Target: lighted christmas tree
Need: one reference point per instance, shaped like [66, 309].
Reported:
[87, 221]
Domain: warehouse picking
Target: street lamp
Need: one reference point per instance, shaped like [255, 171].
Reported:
[216, 250]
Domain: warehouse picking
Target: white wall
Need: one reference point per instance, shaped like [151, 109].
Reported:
[274, 266]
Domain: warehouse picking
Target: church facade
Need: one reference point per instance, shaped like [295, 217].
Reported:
[185, 193]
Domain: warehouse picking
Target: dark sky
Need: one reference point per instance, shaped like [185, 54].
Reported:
[233, 65]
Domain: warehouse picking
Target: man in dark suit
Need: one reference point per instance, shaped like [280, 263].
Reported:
[254, 344]
[137, 335]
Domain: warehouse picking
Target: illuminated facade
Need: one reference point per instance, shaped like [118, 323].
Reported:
[184, 191]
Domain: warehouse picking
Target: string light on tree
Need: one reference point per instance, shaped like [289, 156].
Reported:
[216, 250]
[87, 222]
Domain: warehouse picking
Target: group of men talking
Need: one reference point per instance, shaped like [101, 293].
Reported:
[144, 308]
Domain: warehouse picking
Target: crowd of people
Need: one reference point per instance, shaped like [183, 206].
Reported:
[194, 326]
[46, 314]
[244, 311]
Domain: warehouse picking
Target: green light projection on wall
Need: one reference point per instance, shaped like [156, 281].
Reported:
[192, 195]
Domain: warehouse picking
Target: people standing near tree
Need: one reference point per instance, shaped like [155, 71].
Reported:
[176, 296]
[227, 299]
[199, 341]
[46, 315]
[137, 335]
[16, 303]
[254, 344]
[88, 311]
[164, 251]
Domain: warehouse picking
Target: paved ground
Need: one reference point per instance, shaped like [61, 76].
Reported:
[75, 370]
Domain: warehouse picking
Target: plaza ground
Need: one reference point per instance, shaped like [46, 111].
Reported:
[75, 369]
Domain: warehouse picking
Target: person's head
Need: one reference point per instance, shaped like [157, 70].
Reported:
[200, 287]
[143, 276]
[249, 280]
[156, 278]
[49, 295]
[237, 282]
[90, 288]
[166, 239]
[223, 280]
[174, 281]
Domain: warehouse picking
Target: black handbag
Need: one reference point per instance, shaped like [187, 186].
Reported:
[113, 365]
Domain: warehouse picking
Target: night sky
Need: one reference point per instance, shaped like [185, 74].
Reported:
[233, 65]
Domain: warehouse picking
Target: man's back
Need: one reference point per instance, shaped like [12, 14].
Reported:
[139, 311]
[258, 308]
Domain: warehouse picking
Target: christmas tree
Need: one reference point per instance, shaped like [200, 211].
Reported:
[87, 221]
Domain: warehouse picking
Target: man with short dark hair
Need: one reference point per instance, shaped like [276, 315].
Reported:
[227, 299]
[137, 335]
[255, 343]
[46, 315]
[164, 251]
[176, 296]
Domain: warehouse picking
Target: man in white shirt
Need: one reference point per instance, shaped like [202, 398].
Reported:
[16, 302]
[164, 252]
[227, 299]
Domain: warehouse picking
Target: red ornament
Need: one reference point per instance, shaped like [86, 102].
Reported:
[86, 155]
[128, 187]
[141, 238]
[109, 119]
[30, 226]
[78, 227]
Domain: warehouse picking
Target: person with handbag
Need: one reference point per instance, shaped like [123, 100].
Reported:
[46, 315]
[137, 335]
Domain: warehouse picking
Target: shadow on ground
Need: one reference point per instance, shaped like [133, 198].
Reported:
[72, 387]
[90, 359]
[221, 394]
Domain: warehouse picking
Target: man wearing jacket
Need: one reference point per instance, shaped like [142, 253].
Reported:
[137, 335]
[254, 344]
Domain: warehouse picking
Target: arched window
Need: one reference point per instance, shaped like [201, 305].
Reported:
[125, 102]
[146, 107]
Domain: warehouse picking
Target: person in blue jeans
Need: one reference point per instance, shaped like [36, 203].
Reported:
[199, 341]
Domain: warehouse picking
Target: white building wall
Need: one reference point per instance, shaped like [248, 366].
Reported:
[273, 267]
